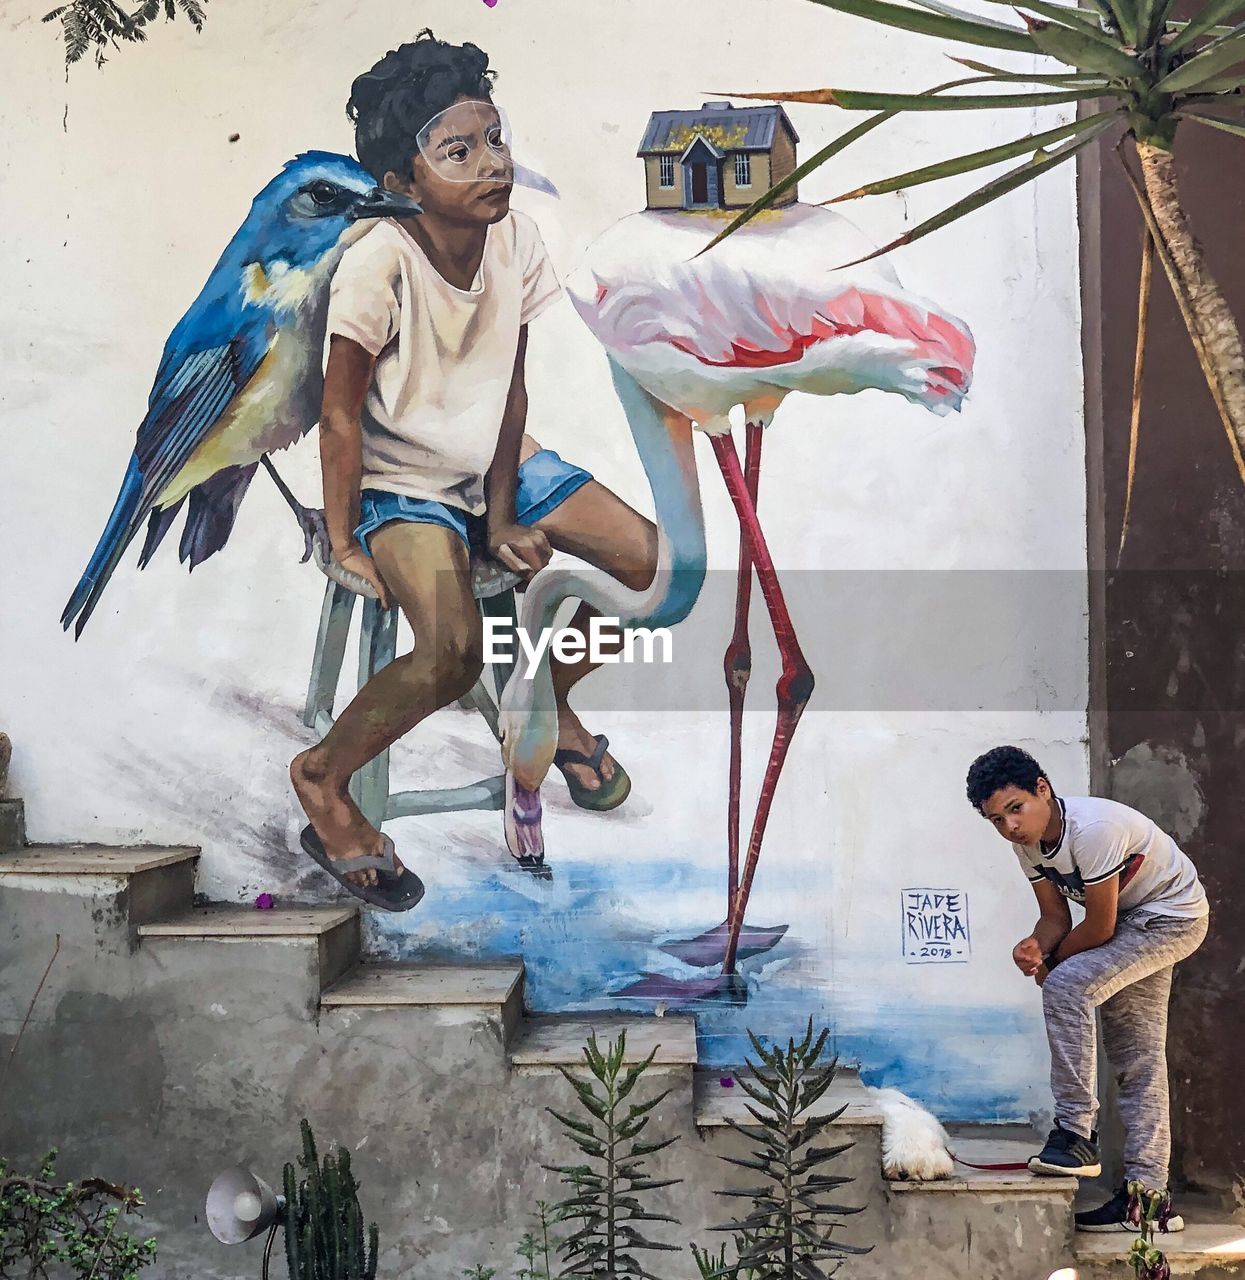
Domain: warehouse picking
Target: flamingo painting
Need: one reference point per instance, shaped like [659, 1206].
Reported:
[690, 336]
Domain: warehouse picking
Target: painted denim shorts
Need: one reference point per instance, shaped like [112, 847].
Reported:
[546, 480]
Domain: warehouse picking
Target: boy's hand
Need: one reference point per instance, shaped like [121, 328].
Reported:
[519, 548]
[360, 563]
[1027, 955]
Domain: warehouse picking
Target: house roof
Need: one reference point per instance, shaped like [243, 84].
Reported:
[726, 127]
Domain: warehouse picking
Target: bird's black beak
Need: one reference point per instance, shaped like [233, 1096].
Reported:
[380, 203]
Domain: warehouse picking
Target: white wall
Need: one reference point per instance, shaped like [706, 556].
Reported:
[174, 718]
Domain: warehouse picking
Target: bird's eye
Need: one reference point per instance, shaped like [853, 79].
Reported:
[458, 153]
[497, 138]
[323, 193]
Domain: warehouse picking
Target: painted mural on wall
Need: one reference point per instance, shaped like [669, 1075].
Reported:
[387, 299]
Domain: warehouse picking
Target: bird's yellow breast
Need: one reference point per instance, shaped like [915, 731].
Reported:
[254, 424]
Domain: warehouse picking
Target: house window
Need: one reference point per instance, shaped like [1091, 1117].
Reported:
[667, 171]
[743, 170]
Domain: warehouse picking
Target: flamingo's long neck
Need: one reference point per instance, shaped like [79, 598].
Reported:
[663, 440]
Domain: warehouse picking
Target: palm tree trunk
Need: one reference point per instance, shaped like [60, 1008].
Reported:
[1211, 324]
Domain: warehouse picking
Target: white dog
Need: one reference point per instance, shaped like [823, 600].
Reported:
[914, 1144]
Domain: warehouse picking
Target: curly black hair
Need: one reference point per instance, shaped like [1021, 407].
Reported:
[393, 101]
[1002, 767]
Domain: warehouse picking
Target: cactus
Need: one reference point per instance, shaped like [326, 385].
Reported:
[324, 1237]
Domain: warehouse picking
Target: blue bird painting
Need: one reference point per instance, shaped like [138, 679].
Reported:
[241, 373]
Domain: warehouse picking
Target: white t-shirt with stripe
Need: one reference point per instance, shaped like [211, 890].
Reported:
[1101, 839]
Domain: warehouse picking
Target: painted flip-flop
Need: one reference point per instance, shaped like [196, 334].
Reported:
[609, 795]
[393, 890]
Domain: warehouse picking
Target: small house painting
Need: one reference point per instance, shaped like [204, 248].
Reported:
[720, 157]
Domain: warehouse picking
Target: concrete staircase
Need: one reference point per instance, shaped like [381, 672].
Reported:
[172, 1038]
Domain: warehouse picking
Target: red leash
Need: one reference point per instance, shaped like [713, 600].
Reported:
[1023, 1166]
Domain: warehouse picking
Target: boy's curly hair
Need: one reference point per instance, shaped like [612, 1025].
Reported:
[1002, 767]
[393, 101]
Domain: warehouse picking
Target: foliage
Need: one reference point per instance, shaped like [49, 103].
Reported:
[789, 1232]
[610, 1191]
[537, 1247]
[103, 24]
[324, 1238]
[73, 1226]
[1147, 1210]
[1153, 73]
[1146, 72]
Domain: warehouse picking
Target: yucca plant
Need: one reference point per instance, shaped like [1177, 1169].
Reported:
[607, 1207]
[1129, 68]
[789, 1232]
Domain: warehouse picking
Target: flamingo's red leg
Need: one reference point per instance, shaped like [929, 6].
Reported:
[795, 684]
[738, 662]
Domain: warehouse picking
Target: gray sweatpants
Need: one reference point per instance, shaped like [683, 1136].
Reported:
[1129, 979]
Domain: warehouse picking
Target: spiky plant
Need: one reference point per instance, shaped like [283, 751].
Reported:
[610, 1192]
[104, 24]
[324, 1238]
[538, 1245]
[1132, 69]
[789, 1233]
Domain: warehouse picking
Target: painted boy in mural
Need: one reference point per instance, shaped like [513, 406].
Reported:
[1145, 911]
[424, 448]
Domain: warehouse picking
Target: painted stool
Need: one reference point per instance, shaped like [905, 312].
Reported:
[378, 637]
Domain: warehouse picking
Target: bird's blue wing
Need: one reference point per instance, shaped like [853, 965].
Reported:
[195, 384]
[210, 357]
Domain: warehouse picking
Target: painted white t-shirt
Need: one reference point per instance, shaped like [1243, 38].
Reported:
[1101, 839]
[445, 356]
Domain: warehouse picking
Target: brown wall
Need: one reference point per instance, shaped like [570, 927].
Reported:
[660, 197]
[783, 161]
[1168, 626]
[734, 197]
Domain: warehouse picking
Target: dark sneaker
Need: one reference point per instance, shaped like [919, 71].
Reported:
[1113, 1216]
[1067, 1155]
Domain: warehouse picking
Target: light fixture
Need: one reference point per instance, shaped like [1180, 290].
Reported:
[241, 1206]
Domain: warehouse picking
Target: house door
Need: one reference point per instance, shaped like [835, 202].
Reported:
[700, 184]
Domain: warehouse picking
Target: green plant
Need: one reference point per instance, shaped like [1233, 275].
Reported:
[1147, 1210]
[609, 1192]
[789, 1232]
[1134, 70]
[103, 24]
[324, 1238]
[537, 1247]
[479, 1272]
[50, 1226]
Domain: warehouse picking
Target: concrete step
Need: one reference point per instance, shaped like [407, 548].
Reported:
[716, 1103]
[454, 993]
[1209, 1250]
[94, 895]
[980, 1147]
[546, 1043]
[327, 937]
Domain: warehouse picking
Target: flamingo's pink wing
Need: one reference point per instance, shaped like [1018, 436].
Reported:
[771, 305]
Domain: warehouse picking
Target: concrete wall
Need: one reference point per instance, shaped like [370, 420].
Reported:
[1168, 670]
[934, 566]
